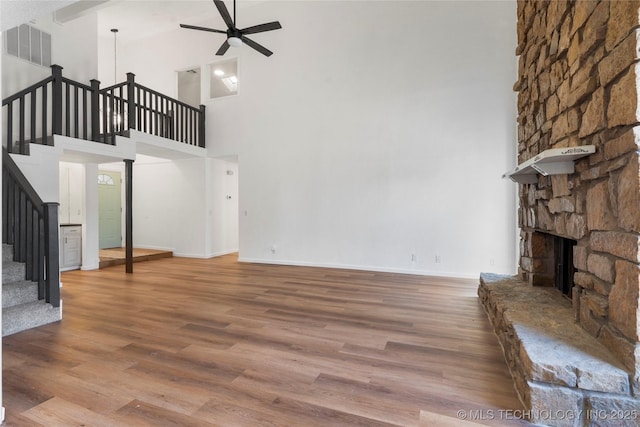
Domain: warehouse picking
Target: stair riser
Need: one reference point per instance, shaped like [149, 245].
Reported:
[12, 272]
[26, 316]
[19, 293]
[21, 309]
[7, 253]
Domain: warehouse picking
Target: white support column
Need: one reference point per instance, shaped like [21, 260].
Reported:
[90, 237]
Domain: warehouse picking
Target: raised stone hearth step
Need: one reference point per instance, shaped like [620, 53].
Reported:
[555, 364]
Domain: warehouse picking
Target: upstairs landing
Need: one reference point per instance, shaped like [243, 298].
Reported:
[116, 256]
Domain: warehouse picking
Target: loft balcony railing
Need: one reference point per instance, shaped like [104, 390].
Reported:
[60, 106]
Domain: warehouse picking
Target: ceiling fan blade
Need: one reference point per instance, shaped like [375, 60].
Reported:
[270, 26]
[193, 27]
[263, 50]
[223, 48]
[224, 13]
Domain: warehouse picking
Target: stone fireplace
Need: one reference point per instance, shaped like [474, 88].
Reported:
[578, 85]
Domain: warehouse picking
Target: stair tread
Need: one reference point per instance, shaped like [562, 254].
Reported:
[41, 304]
[19, 284]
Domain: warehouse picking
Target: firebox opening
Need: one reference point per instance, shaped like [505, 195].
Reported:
[564, 265]
[551, 262]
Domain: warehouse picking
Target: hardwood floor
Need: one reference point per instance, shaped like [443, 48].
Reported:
[191, 342]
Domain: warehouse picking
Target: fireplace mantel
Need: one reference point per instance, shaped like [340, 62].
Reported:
[553, 161]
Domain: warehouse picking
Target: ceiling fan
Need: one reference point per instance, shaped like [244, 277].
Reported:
[236, 36]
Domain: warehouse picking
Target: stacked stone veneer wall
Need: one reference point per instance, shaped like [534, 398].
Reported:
[578, 85]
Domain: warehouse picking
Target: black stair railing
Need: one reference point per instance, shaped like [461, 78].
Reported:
[28, 117]
[60, 106]
[130, 105]
[31, 226]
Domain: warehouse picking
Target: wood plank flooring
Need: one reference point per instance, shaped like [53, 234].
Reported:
[191, 342]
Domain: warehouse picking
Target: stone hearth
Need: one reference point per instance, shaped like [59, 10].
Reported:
[563, 375]
[578, 84]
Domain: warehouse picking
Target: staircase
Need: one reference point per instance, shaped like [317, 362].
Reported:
[30, 254]
[60, 106]
[21, 309]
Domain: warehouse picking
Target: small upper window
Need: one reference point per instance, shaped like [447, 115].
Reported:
[104, 179]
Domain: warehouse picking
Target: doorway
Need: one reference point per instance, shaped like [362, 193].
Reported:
[189, 86]
[109, 209]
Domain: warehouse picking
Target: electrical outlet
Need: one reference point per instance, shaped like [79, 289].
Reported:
[413, 258]
[437, 259]
[492, 261]
[273, 249]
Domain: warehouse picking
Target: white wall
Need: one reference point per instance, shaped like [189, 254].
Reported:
[73, 46]
[16, 12]
[183, 206]
[41, 170]
[170, 206]
[364, 146]
[376, 133]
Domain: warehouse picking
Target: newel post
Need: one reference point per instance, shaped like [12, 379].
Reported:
[201, 131]
[95, 110]
[52, 251]
[131, 101]
[56, 114]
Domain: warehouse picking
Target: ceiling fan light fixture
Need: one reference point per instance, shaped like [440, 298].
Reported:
[236, 37]
[234, 41]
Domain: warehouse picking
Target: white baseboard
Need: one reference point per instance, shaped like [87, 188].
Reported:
[90, 267]
[362, 268]
[153, 248]
[205, 256]
[217, 254]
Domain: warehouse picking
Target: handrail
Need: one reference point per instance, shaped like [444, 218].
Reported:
[75, 83]
[115, 86]
[29, 89]
[21, 180]
[31, 226]
[176, 101]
